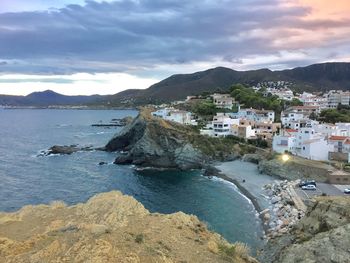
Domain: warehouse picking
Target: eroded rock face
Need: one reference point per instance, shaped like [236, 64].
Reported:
[323, 235]
[150, 141]
[65, 149]
[110, 227]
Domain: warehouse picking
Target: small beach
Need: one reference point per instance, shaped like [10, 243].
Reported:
[249, 180]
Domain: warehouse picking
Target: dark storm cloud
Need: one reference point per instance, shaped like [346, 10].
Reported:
[101, 37]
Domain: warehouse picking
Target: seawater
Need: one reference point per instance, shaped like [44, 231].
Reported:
[27, 179]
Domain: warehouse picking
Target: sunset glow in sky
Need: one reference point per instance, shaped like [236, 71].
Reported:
[78, 47]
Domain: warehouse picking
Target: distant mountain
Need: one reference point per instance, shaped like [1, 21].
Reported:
[317, 77]
[46, 98]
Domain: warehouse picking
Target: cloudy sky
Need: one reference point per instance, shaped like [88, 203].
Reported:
[88, 47]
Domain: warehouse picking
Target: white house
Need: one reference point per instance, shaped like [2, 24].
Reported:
[305, 110]
[336, 97]
[222, 125]
[255, 115]
[286, 141]
[312, 145]
[224, 101]
[340, 143]
[290, 117]
[171, 114]
[309, 99]
[344, 128]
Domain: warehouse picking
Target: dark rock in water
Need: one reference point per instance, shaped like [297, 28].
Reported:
[157, 143]
[102, 163]
[65, 149]
[211, 171]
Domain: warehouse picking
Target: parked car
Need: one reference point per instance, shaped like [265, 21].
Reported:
[308, 187]
[307, 182]
[347, 191]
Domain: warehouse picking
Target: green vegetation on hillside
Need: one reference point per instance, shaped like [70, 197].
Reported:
[248, 98]
[340, 114]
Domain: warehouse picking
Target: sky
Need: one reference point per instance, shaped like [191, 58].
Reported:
[103, 47]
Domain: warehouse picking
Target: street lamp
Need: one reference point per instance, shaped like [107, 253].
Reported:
[285, 157]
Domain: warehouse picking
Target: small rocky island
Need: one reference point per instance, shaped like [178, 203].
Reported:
[154, 142]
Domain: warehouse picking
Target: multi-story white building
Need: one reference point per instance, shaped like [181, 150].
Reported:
[304, 142]
[223, 125]
[223, 101]
[305, 110]
[309, 99]
[336, 97]
[311, 145]
[288, 118]
[255, 115]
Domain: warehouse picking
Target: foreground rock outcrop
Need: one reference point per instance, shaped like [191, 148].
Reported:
[322, 235]
[110, 227]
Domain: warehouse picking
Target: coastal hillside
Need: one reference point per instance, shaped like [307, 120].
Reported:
[323, 235]
[313, 78]
[110, 227]
[151, 141]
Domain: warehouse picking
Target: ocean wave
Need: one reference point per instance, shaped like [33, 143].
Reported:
[214, 178]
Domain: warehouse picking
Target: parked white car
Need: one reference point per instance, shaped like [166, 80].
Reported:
[308, 187]
[347, 191]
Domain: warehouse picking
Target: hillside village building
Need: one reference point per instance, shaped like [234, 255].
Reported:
[336, 97]
[221, 126]
[285, 141]
[255, 115]
[224, 101]
[171, 114]
[305, 110]
[309, 99]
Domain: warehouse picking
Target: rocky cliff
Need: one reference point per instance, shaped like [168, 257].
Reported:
[323, 235]
[151, 141]
[110, 227]
[295, 168]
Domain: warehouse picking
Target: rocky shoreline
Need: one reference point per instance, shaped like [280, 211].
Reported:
[280, 212]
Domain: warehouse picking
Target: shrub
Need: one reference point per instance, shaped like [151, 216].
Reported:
[139, 238]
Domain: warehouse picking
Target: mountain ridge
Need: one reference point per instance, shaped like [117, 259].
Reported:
[316, 77]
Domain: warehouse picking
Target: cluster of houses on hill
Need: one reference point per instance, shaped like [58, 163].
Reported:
[246, 124]
[310, 139]
[297, 133]
[281, 89]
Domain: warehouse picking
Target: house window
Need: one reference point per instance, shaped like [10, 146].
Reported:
[306, 131]
[304, 148]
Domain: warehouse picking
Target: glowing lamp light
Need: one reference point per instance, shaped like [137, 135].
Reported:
[285, 157]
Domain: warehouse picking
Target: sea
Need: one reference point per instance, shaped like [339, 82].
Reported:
[26, 178]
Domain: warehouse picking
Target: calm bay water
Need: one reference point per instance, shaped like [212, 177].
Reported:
[28, 179]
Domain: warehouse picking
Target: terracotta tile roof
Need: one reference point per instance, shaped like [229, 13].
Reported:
[291, 130]
[337, 138]
[305, 107]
